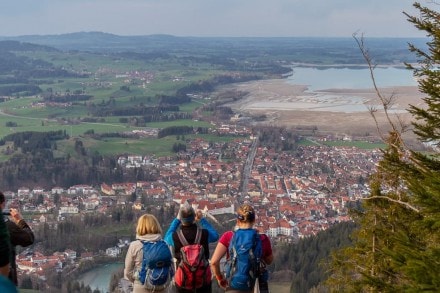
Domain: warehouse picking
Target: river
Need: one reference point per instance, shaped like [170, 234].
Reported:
[99, 277]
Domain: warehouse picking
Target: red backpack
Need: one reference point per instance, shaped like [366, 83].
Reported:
[193, 271]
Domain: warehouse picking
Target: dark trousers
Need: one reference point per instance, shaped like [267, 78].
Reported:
[264, 286]
[204, 289]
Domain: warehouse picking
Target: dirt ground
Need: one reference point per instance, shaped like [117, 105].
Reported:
[339, 111]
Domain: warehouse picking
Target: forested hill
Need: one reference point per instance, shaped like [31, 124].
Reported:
[295, 49]
[305, 263]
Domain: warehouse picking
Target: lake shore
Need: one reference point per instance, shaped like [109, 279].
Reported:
[292, 105]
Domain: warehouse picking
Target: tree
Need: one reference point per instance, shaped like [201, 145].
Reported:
[26, 283]
[397, 245]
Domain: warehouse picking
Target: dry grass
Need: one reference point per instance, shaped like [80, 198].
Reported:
[281, 287]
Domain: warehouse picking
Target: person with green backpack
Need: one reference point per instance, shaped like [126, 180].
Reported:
[247, 253]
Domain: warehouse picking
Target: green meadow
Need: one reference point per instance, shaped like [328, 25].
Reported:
[124, 81]
[108, 75]
[358, 144]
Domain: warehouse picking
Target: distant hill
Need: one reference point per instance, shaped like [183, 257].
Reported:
[20, 46]
[345, 50]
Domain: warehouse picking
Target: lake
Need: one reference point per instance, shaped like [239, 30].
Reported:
[99, 277]
[320, 78]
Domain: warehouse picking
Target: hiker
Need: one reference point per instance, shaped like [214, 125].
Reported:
[148, 232]
[19, 234]
[261, 250]
[188, 227]
[5, 248]
[6, 286]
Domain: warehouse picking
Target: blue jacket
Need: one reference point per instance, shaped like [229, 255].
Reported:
[212, 233]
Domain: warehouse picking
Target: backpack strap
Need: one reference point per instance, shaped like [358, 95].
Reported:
[198, 236]
[183, 239]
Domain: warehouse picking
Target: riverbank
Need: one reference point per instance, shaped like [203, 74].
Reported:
[100, 276]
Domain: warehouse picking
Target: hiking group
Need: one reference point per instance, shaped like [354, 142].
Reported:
[179, 261]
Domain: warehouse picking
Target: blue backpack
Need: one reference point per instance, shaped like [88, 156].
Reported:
[243, 266]
[157, 265]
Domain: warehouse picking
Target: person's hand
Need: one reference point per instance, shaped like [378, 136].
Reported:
[15, 215]
[223, 283]
[199, 215]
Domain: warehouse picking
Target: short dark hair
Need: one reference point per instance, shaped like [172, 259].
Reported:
[2, 197]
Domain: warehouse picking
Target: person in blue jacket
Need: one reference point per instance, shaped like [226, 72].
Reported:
[187, 215]
[189, 221]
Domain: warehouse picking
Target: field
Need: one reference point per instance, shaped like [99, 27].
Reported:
[107, 82]
[129, 79]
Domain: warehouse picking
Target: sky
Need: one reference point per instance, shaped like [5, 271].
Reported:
[210, 18]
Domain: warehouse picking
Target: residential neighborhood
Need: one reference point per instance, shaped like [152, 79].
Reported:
[296, 194]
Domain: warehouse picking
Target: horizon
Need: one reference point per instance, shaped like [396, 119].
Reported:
[207, 37]
[201, 18]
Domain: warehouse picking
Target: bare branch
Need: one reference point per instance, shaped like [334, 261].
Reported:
[386, 102]
[393, 200]
[373, 110]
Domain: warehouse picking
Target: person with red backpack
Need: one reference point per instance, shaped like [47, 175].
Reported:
[190, 234]
[247, 253]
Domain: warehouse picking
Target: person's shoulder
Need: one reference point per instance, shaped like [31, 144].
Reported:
[205, 234]
[136, 244]
[228, 234]
[10, 224]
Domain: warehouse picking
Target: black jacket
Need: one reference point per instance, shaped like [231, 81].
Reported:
[19, 234]
[4, 243]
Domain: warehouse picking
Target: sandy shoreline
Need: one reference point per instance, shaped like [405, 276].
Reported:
[334, 110]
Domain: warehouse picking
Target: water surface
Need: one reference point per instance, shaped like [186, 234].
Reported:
[350, 78]
[99, 277]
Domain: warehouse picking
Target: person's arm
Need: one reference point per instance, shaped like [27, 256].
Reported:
[212, 233]
[268, 259]
[19, 231]
[169, 234]
[267, 250]
[129, 264]
[218, 254]
[5, 250]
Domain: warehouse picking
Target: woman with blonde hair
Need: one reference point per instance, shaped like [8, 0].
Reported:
[256, 245]
[148, 231]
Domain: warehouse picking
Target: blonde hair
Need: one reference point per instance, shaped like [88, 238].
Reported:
[148, 224]
[246, 214]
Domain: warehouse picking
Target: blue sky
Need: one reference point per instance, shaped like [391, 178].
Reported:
[235, 18]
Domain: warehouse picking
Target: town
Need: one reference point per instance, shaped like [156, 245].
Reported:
[296, 194]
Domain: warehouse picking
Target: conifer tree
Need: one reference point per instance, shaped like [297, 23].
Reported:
[397, 245]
